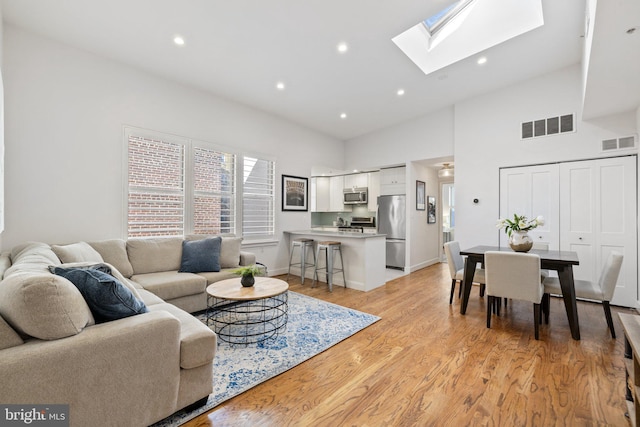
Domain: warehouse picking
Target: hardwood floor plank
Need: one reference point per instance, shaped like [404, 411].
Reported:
[426, 364]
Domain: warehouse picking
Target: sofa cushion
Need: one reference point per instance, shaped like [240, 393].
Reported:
[8, 337]
[43, 305]
[171, 284]
[114, 252]
[76, 252]
[197, 341]
[230, 252]
[200, 255]
[154, 255]
[149, 298]
[106, 296]
[32, 257]
[225, 273]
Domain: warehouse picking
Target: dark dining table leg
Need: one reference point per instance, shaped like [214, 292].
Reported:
[565, 275]
[469, 272]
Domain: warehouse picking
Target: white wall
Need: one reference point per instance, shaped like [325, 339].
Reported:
[426, 137]
[65, 112]
[423, 238]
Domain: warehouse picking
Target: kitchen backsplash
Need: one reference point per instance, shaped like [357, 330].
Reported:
[319, 219]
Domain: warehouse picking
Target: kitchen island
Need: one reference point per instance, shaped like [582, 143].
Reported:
[364, 257]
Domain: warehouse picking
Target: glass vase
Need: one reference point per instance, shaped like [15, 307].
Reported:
[520, 241]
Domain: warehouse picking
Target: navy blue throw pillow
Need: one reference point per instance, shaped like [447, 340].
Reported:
[107, 298]
[201, 255]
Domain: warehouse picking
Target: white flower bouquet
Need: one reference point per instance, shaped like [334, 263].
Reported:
[519, 223]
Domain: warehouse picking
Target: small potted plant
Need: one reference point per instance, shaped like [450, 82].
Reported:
[247, 274]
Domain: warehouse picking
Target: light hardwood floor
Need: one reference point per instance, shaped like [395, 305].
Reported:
[425, 364]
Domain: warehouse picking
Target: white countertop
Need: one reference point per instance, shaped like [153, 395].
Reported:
[341, 234]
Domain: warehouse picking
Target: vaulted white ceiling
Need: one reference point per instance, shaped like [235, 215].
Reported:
[240, 49]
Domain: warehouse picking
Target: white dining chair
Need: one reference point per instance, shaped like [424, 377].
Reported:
[541, 246]
[456, 269]
[513, 275]
[598, 291]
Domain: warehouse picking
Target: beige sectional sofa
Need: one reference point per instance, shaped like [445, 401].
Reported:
[133, 371]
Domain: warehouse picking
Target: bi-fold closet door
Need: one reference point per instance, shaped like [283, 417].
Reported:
[590, 207]
[532, 191]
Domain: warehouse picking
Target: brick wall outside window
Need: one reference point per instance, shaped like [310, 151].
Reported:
[184, 187]
[156, 188]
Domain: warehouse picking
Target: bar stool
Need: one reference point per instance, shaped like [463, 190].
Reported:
[329, 270]
[303, 244]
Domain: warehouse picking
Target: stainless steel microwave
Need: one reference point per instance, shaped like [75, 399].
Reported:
[355, 196]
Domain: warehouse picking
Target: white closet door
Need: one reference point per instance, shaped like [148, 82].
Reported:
[598, 215]
[532, 191]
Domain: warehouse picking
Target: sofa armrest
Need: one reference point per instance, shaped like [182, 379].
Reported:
[126, 371]
[247, 258]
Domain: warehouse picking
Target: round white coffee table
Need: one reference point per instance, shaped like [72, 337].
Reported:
[242, 315]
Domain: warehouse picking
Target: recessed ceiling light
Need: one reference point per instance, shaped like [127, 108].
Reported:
[178, 40]
[482, 60]
[343, 115]
[342, 47]
[400, 92]
[280, 86]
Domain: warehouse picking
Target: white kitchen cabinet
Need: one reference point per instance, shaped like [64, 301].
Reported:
[356, 180]
[373, 191]
[336, 195]
[320, 194]
[393, 181]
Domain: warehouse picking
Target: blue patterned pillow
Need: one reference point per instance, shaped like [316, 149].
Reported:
[107, 298]
[201, 255]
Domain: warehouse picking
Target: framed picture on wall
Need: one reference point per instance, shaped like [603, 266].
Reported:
[431, 210]
[420, 205]
[295, 193]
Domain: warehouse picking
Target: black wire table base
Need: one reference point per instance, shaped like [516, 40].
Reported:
[248, 322]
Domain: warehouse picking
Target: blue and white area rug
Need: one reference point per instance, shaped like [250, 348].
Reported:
[313, 326]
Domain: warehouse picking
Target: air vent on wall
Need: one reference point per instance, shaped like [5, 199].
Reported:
[619, 143]
[550, 126]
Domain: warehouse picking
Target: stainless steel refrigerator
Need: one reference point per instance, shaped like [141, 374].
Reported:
[392, 222]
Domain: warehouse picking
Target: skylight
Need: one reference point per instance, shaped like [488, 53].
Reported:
[438, 21]
[465, 28]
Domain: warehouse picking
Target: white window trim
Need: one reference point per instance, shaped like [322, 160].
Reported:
[189, 144]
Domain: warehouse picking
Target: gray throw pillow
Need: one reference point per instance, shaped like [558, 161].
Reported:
[199, 256]
[107, 298]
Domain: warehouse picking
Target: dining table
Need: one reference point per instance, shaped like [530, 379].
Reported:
[560, 261]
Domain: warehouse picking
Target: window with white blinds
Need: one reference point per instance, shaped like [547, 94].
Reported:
[258, 198]
[177, 187]
[213, 191]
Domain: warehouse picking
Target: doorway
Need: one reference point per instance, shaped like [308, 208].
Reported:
[447, 192]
